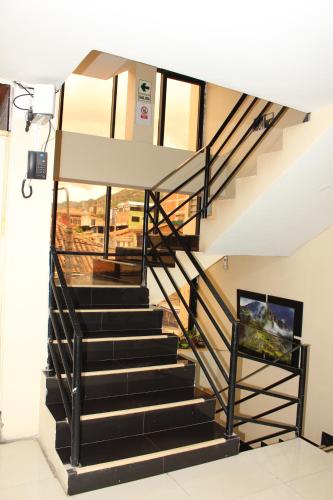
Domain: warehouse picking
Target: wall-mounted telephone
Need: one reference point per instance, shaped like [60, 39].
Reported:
[37, 165]
[37, 169]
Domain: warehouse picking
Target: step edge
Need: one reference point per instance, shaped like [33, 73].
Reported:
[107, 310]
[103, 286]
[118, 339]
[148, 456]
[131, 370]
[142, 409]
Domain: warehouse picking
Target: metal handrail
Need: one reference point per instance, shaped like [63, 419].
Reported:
[177, 169]
[202, 212]
[73, 408]
[209, 145]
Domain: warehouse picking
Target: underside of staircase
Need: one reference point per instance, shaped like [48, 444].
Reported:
[141, 413]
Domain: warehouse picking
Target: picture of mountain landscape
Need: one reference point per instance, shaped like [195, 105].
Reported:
[267, 326]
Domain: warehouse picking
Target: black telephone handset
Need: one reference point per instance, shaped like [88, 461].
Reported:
[37, 169]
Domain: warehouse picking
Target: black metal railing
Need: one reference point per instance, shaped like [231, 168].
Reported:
[235, 142]
[65, 349]
[297, 368]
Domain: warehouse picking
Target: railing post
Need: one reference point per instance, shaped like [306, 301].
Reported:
[50, 366]
[205, 196]
[76, 402]
[107, 221]
[156, 211]
[301, 390]
[232, 379]
[145, 240]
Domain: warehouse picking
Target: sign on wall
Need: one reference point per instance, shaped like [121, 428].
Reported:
[144, 91]
[143, 113]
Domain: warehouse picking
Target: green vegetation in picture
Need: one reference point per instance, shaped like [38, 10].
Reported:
[265, 343]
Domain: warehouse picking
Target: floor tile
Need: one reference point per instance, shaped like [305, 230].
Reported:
[317, 486]
[221, 479]
[153, 488]
[22, 462]
[47, 489]
[292, 459]
[281, 492]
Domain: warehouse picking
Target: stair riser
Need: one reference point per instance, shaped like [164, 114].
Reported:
[131, 349]
[167, 259]
[118, 270]
[137, 423]
[128, 383]
[191, 241]
[118, 320]
[126, 473]
[123, 333]
[117, 297]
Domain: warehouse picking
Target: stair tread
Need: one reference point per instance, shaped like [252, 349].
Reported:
[133, 364]
[115, 338]
[123, 448]
[132, 401]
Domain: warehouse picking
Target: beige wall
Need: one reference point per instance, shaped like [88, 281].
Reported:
[25, 230]
[307, 276]
[99, 160]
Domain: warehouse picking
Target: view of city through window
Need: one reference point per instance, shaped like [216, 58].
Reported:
[81, 227]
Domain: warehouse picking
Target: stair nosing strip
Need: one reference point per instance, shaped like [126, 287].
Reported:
[142, 309]
[117, 339]
[149, 456]
[130, 370]
[142, 409]
[103, 286]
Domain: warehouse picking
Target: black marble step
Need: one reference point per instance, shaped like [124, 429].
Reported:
[121, 460]
[120, 270]
[108, 348]
[191, 242]
[130, 254]
[122, 364]
[128, 381]
[129, 401]
[108, 296]
[98, 320]
[131, 422]
[123, 333]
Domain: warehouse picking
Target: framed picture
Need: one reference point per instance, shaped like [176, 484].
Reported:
[286, 316]
[268, 326]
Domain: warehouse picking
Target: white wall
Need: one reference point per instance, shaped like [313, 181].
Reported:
[99, 160]
[307, 276]
[24, 307]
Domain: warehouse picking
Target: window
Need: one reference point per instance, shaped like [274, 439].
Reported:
[87, 105]
[178, 113]
[181, 115]
[135, 218]
[121, 106]
[4, 106]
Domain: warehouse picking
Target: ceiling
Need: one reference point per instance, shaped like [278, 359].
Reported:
[280, 51]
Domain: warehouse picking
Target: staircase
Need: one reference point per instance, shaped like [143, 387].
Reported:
[141, 414]
[118, 402]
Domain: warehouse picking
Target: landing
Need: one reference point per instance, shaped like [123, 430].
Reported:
[293, 470]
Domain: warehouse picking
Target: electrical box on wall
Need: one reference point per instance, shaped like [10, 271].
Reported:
[43, 103]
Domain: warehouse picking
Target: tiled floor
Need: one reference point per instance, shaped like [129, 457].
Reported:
[293, 470]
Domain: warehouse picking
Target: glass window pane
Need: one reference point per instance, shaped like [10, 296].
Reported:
[121, 106]
[181, 115]
[182, 214]
[127, 211]
[87, 105]
[80, 224]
